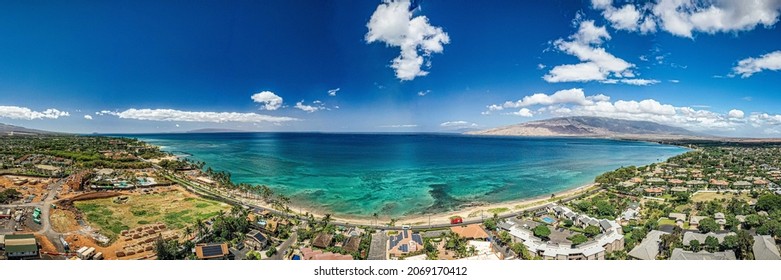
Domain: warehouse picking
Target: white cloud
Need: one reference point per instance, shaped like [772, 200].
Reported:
[523, 112]
[750, 66]
[574, 102]
[24, 113]
[190, 116]
[684, 17]
[573, 96]
[596, 63]
[674, 81]
[735, 114]
[318, 105]
[457, 124]
[268, 100]
[332, 92]
[393, 23]
[399, 126]
[423, 92]
[638, 82]
[87, 117]
[106, 112]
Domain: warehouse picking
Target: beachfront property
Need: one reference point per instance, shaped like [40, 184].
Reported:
[610, 239]
[319, 255]
[470, 232]
[404, 243]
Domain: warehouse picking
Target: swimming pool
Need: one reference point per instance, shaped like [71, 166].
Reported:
[548, 220]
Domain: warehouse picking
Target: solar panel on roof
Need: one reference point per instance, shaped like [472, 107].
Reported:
[404, 248]
[212, 250]
[416, 238]
[406, 233]
[260, 237]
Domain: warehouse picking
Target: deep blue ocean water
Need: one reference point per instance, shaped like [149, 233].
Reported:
[398, 175]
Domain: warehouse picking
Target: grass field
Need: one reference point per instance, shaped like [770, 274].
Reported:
[708, 196]
[173, 208]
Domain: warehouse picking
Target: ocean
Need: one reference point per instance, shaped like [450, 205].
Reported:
[401, 175]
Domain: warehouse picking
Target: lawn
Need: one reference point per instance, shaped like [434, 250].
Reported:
[173, 208]
[708, 196]
[666, 221]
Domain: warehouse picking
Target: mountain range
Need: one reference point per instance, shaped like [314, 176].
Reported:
[599, 127]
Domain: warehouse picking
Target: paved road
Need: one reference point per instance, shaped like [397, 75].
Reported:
[282, 249]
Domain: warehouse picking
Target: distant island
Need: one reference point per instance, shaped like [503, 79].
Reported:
[597, 127]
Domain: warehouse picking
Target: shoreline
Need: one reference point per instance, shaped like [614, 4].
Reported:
[513, 206]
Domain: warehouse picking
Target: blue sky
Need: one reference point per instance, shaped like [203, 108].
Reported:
[170, 66]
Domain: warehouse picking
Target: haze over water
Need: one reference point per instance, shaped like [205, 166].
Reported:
[398, 175]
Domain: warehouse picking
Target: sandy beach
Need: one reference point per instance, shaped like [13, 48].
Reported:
[467, 213]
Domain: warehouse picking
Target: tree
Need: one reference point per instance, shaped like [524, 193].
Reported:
[167, 250]
[769, 202]
[490, 224]
[711, 243]
[753, 221]
[708, 225]
[271, 251]
[253, 255]
[578, 239]
[567, 223]
[591, 230]
[745, 243]
[520, 250]
[730, 242]
[504, 237]
[694, 245]
[541, 231]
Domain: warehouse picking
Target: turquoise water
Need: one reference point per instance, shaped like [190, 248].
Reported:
[398, 175]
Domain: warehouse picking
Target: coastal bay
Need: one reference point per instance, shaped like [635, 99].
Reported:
[409, 176]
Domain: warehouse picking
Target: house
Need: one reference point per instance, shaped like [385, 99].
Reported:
[695, 220]
[628, 215]
[765, 248]
[676, 182]
[323, 240]
[352, 244]
[655, 181]
[648, 249]
[256, 240]
[678, 217]
[700, 237]
[655, 191]
[404, 243]
[742, 184]
[720, 218]
[695, 183]
[215, 251]
[678, 189]
[470, 232]
[680, 254]
[20, 246]
[310, 254]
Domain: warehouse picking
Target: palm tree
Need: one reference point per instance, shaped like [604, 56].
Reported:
[326, 219]
[201, 227]
[188, 231]
[375, 218]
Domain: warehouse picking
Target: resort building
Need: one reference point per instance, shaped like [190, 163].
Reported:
[404, 243]
[680, 254]
[648, 249]
[609, 240]
[765, 248]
